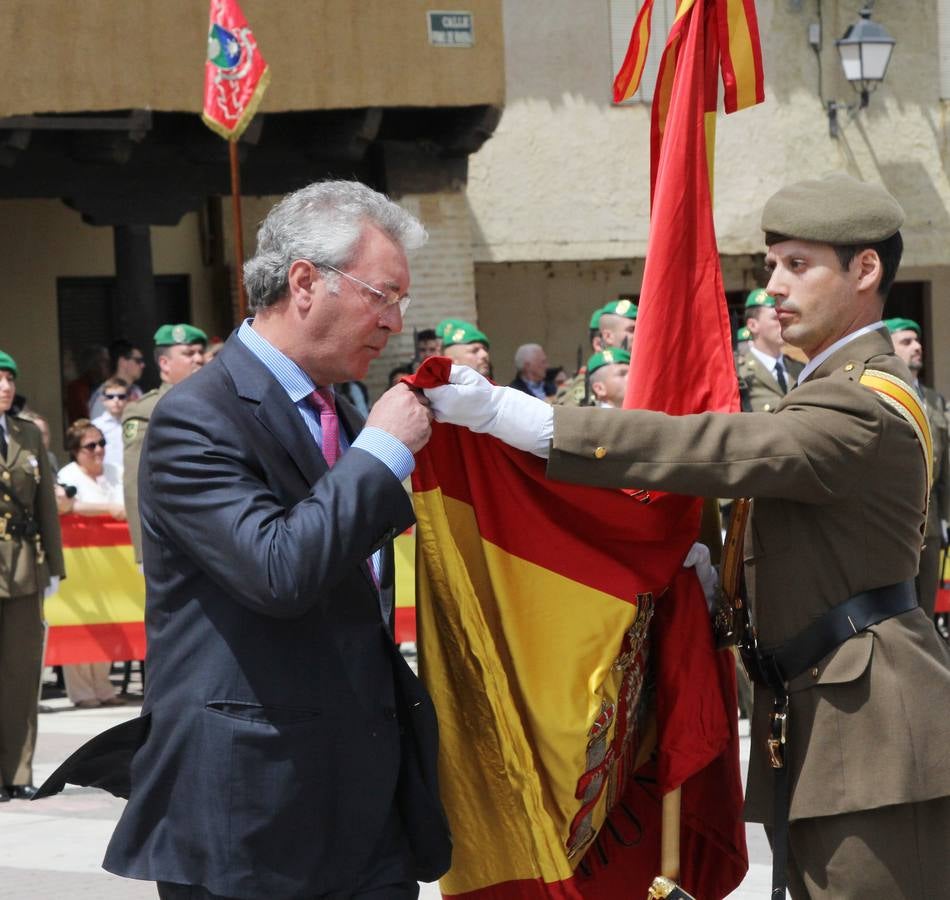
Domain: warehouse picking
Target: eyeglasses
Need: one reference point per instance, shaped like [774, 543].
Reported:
[93, 444]
[138, 359]
[384, 302]
[114, 396]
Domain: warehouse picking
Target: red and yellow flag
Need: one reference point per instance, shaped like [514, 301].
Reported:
[236, 74]
[98, 613]
[534, 603]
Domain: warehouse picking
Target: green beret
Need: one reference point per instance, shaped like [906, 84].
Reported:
[836, 209]
[457, 331]
[743, 334]
[625, 308]
[169, 335]
[595, 319]
[7, 362]
[893, 325]
[758, 297]
[607, 357]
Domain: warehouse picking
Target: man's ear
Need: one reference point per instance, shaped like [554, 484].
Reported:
[598, 389]
[301, 278]
[867, 266]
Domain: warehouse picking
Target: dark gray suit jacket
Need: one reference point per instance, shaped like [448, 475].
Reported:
[280, 724]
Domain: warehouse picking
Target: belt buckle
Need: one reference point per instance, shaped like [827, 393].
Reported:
[778, 732]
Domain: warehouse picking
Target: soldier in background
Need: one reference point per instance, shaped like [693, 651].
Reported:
[179, 352]
[607, 372]
[464, 344]
[766, 374]
[905, 333]
[31, 552]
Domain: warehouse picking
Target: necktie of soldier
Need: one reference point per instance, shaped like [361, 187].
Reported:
[3, 445]
[322, 401]
[780, 376]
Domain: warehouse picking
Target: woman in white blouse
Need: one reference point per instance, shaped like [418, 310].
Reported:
[98, 493]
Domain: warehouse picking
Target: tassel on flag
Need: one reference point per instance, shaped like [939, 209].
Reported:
[236, 74]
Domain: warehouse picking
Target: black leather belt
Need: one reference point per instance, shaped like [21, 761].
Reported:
[18, 528]
[856, 614]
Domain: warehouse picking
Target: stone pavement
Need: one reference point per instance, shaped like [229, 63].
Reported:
[52, 849]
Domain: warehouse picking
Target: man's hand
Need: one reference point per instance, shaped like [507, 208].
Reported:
[698, 559]
[518, 419]
[403, 413]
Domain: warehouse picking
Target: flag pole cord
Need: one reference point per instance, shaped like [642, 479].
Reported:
[238, 230]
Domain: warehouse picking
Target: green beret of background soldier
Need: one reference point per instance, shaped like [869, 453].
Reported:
[607, 373]
[906, 337]
[464, 344]
[179, 352]
[30, 552]
[765, 373]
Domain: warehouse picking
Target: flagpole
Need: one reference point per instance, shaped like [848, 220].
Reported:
[238, 229]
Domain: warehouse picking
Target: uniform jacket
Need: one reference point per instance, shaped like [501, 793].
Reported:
[134, 428]
[758, 388]
[936, 408]
[26, 476]
[281, 725]
[828, 521]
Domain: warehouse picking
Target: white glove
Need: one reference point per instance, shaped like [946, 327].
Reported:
[944, 533]
[53, 586]
[520, 420]
[698, 558]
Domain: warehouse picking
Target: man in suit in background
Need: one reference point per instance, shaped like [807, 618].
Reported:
[289, 751]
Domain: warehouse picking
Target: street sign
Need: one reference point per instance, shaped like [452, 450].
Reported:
[450, 28]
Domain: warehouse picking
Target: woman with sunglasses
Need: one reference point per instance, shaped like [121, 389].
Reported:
[98, 493]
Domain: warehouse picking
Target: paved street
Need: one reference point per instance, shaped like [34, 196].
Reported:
[51, 849]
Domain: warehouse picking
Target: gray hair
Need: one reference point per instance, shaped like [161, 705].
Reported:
[524, 353]
[323, 223]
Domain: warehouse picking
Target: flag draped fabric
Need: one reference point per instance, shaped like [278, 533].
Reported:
[236, 74]
[98, 613]
[534, 603]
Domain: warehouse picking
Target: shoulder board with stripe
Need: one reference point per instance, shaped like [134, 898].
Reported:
[897, 394]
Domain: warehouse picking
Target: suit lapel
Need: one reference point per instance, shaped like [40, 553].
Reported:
[766, 377]
[13, 441]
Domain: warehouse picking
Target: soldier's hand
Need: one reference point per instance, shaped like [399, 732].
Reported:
[405, 414]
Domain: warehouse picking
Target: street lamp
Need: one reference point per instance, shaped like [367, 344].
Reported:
[865, 50]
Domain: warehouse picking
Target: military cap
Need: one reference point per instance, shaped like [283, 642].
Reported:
[836, 209]
[625, 308]
[607, 357]
[7, 362]
[757, 298]
[457, 331]
[169, 335]
[743, 334]
[893, 325]
[595, 318]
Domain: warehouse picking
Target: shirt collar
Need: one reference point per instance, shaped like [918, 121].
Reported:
[816, 361]
[297, 383]
[764, 358]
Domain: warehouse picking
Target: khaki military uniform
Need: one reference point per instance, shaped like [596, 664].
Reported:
[134, 427]
[936, 408]
[865, 727]
[574, 392]
[759, 390]
[25, 570]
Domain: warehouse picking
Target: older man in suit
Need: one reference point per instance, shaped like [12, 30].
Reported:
[286, 751]
[847, 731]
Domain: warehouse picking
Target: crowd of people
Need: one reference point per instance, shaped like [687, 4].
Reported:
[268, 510]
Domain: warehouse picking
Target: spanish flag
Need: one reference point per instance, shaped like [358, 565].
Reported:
[98, 613]
[535, 601]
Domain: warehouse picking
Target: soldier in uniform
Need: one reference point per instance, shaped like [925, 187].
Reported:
[766, 374]
[179, 352]
[464, 344]
[30, 552]
[905, 333]
[849, 769]
[607, 372]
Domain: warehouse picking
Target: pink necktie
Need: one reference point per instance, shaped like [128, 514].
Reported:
[322, 401]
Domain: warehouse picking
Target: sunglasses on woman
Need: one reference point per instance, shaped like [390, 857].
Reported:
[93, 444]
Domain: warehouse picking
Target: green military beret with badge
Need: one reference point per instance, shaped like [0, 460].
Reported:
[7, 362]
[457, 331]
[607, 357]
[595, 318]
[836, 209]
[893, 326]
[625, 308]
[759, 297]
[743, 334]
[169, 335]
